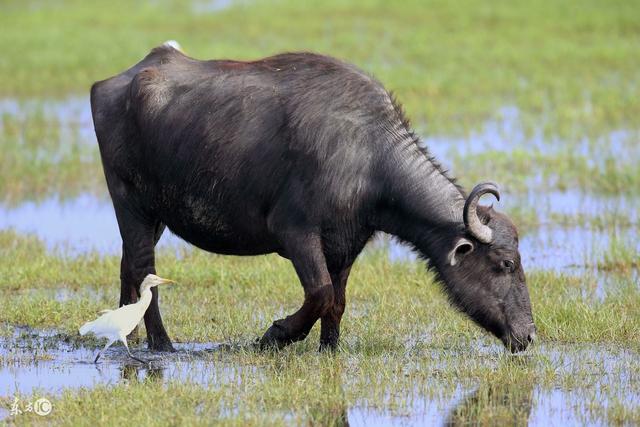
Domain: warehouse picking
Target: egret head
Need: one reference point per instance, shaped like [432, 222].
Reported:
[151, 280]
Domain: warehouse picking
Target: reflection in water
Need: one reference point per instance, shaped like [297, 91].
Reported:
[492, 404]
[88, 223]
[45, 362]
[135, 372]
[500, 402]
[69, 366]
[334, 411]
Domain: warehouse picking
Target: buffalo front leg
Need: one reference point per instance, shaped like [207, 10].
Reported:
[139, 237]
[330, 322]
[305, 251]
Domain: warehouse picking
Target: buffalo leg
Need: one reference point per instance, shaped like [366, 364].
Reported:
[330, 322]
[129, 294]
[139, 237]
[305, 251]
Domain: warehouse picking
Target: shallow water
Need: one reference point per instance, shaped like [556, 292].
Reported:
[87, 223]
[213, 6]
[506, 133]
[74, 226]
[71, 114]
[43, 362]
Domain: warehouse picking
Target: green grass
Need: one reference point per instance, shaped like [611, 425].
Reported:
[522, 168]
[621, 257]
[43, 154]
[453, 64]
[318, 390]
[569, 68]
[238, 297]
[402, 344]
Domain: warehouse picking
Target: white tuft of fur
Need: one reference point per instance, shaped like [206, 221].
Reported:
[172, 43]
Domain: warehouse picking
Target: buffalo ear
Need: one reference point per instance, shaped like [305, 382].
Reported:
[461, 248]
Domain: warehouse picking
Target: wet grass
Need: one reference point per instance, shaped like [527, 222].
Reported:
[621, 258]
[570, 85]
[522, 169]
[239, 297]
[572, 78]
[403, 346]
[45, 153]
[298, 386]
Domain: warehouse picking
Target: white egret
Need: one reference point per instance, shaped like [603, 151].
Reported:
[117, 324]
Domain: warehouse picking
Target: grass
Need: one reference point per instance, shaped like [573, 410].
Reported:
[571, 77]
[402, 346]
[521, 169]
[621, 257]
[538, 97]
[572, 63]
[239, 297]
[46, 152]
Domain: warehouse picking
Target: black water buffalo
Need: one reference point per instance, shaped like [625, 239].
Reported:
[299, 154]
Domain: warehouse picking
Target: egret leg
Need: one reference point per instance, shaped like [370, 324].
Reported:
[103, 350]
[124, 341]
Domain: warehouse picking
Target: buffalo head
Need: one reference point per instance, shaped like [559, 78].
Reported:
[483, 274]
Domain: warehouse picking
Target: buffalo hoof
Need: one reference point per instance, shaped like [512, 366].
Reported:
[329, 346]
[275, 338]
[160, 344]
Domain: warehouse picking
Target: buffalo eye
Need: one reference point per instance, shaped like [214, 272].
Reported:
[508, 265]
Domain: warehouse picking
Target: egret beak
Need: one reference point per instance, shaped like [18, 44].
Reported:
[163, 281]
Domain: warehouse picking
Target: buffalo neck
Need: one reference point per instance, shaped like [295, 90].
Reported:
[422, 205]
[417, 183]
[432, 240]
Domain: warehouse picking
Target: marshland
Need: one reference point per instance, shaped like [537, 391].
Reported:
[542, 98]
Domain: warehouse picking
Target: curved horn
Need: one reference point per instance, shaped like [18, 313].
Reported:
[477, 229]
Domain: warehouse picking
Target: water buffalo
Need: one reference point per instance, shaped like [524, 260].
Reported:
[299, 154]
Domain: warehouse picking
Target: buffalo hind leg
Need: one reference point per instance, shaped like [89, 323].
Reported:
[305, 251]
[129, 294]
[139, 237]
[330, 322]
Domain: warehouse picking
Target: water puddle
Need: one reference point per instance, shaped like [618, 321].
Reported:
[560, 249]
[74, 226]
[506, 133]
[612, 381]
[87, 223]
[47, 363]
[553, 207]
[72, 115]
[213, 6]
